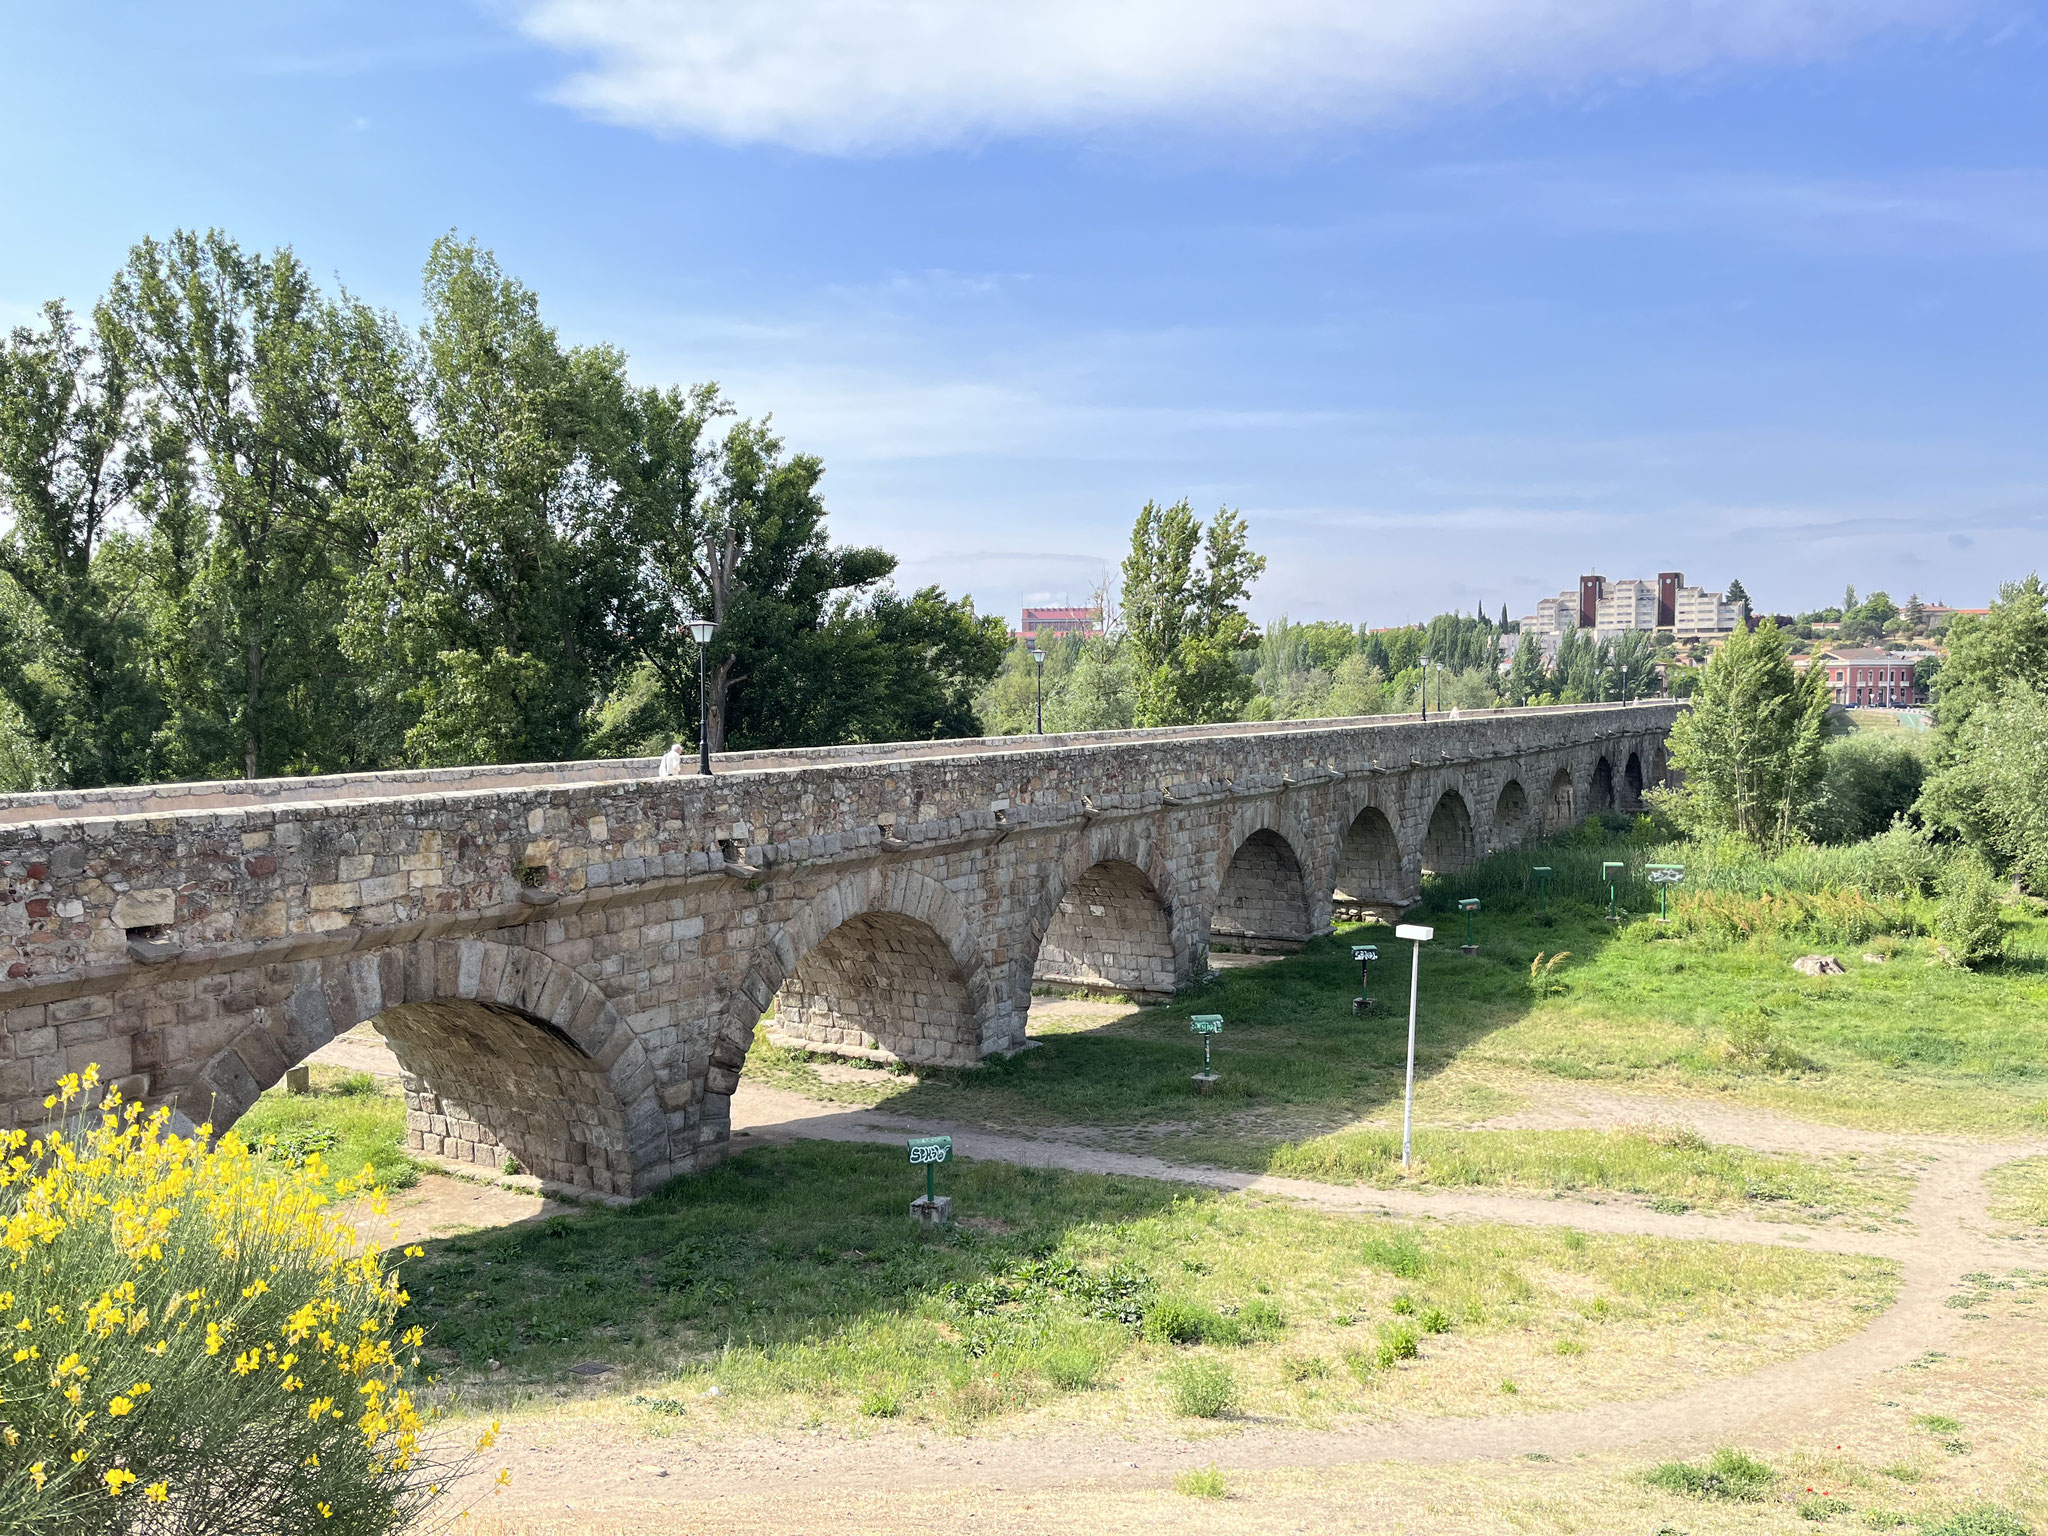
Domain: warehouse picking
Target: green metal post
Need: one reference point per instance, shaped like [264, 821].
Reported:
[931, 1188]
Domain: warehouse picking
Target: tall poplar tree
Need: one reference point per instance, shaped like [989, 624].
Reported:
[1750, 746]
[1183, 590]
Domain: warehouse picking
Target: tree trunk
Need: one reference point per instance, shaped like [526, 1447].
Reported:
[250, 735]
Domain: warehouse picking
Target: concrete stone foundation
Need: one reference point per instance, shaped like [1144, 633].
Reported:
[570, 960]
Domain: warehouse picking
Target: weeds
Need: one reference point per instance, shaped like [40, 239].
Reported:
[1982, 1520]
[1206, 1483]
[1543, 978]
[1728, 1474]
[1201, 1389]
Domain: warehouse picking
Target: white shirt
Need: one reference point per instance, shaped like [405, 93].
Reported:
[672, 762]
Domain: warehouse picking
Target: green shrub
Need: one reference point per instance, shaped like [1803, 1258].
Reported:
[1398, 1253]
[1971, 925]
[194, 1339]
[1755, 1044]
[356, 1085]
[1982, 1520]
[1204, 1484]
[1435, 1320]
[1201, 1389]
[1176, 1320]
[1727, 1474]
[1398, 1341]
[1259, 1319]
[1867, 783]
[881, 1401]
[1072, 1369]
[1824, 1508]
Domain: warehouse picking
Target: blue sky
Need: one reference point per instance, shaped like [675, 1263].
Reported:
[1453, 298]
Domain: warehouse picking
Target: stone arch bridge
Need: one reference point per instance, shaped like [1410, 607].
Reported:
[570, 960]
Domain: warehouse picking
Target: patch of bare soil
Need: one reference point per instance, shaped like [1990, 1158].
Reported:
[439, 1206]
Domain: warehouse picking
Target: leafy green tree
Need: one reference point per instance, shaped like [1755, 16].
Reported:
[238, 357]
[2007, 646]
[70, 620]
[1738, 598]
[1630, 665]
[1750, 746]
[1866, 783]
[1525, 674]
[1183, 617]
[1991, 789]
[504, 579]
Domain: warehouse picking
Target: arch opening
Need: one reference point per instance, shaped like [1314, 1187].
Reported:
[485, 1083]
[884, 986]
[1447, 845]
[1632, 784]
[1561, 808]
[1600, 797]
[1510, 814]
[1110, 933]
[1263, 902]
[1369, 862]
[1660, 765]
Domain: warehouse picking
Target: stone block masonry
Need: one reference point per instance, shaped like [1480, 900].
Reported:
[570, 960]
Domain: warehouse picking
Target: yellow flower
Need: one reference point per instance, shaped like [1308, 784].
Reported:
[118, 1478]
[38, 1476]
[326, 1511]
[120, 1407]
[158, 1493]
[504, 1476]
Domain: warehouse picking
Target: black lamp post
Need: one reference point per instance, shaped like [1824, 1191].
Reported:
[1424, 688]
[1039, 657]
[701, 631]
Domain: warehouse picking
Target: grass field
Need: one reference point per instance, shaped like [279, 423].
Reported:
[1902, 1041]
[347, 1119]
[791, 1279]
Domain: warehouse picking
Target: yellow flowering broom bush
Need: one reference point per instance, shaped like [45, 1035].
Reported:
[190, 1342]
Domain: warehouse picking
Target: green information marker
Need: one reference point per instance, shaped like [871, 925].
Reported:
[1541, 872]
[929, 1152]
[1364, 954]
[1664, 876]
[1612, 872]
[1469, 906]
[1206, 1025]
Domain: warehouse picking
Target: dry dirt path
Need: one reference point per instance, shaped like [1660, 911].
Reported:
[597, 1473]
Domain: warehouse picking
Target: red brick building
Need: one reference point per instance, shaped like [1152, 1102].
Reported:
[1051, 623]
[1860, 676]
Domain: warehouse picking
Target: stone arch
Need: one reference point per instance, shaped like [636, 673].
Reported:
[1448, 843]
[924, 960]
[882, 985]
[1600, 794]
[1660, 764]
[1262, 901]
[1510, 814]
[1369, 861]
[504, 1051]
[1561, 807]
[1110, 932]
[1632, 783]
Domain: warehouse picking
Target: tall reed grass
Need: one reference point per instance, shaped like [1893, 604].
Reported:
[1887, 873]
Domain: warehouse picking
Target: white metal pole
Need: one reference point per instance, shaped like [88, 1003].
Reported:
[1408, 1100]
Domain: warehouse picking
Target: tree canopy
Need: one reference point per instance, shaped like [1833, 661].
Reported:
[251, 527]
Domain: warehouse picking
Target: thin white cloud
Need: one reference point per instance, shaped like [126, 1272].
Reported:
[857, 76]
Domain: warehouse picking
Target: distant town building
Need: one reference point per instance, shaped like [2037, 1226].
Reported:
[1610, 608]
[1052, 623]
[1862, 676]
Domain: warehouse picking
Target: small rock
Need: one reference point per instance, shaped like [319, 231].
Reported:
[589, 1368]
[654, 1471]
[714, 1391]
[494, 1365]
[1877, 959]
[1819, 965]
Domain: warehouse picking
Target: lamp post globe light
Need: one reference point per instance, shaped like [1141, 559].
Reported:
[1038, 656]
[701, 631]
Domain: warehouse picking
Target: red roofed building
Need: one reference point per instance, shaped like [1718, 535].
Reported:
[1052, 623]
